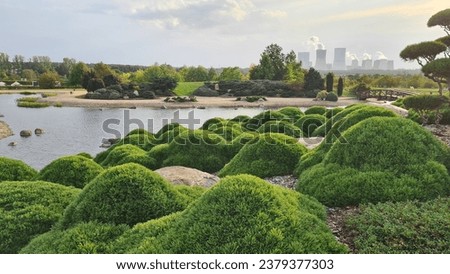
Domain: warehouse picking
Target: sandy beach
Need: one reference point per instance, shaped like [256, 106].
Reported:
[74, 99]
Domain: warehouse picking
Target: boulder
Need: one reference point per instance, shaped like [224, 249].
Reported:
[25, 133]
[38, 131]
[180, 175]
[12, 144]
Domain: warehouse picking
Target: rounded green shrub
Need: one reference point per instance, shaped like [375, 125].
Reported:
[309, 123]
[229, 131]
[217, 122]
[85, 155]
[28, 209]
[125, 194]
[376, 160]
[267, 155]
[333, 111]
[258, 120]
[143, 141]
[332, 97]
[293, 113]
[239, 142]
[84, 238]
[74, 171]
[240, 215]
[200, 149]
[128, 154]
[169, 132]
[139, 131]
[190, 193]
[281, 127]
[15, 170]
[159, 153]
[316, 110]
[241, 118]
[168, 127]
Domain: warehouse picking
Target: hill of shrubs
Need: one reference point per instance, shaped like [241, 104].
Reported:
[115, 203]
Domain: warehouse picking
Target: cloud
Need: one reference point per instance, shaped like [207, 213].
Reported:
[274, 13]
[315, 42]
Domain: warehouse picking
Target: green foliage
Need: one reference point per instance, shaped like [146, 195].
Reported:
[316, 110]
[200, 149]
[442, 19]
[313, 80]
[424, 105]
[190, 193]
[28, 209]
[213, 122]
[258, 120]
[230, 74]
[143, 140]
[329, 81]
[31, 102]
[331, 96]
[240, 215]
[168, 133]
[48, 80]
[403, 228]
[390, 169]
[159, 153]
[280, 127]
[123, 154]
[332, 111]
[74, 171]
[15, 170]
[187, 88]
[83, 238]
[340, 87]
[293, 113]
[309, 123]
[94, 84]
[126, 194]
[267, 155]
[241, 118]
[228, 130]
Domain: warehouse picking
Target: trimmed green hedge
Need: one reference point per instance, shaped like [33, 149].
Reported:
[159, 153]
[15, 170]
[84, 238]
[316, 110]
[293, 113]
[267, 155]
[125, 194]
[128, 154]
[258, 120]
[378, 159]
[240, 215]
[28, 209]
[403, 228]
[74, 171]
[281, 127]
[309, 123]
[200, 149]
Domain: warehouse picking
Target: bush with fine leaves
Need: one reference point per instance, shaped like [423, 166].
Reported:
[128, 154]
[267, 155]
[28, 209]
[284, 127]
[316, 110]
[240, 215]
[74, 171]
[125, 194]
[309, 123]
[15, 170]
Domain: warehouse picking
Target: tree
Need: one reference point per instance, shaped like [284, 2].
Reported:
[212, 74]
[275, 65]
[66, 66]
[330, 81]
[196, 74]
[426, 53]
[5, 65]
[313, 80]
[48, 80]
[76, 74]
[41, 64]
[230, 74]
[101, 70]
[340, 87]
[29, 74]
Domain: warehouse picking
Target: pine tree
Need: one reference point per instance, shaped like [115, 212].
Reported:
[330, 82]
[340, 87]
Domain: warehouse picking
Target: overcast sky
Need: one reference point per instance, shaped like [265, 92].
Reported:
[216, 33]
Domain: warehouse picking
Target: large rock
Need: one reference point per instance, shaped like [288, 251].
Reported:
[25, 133]
[180, 175]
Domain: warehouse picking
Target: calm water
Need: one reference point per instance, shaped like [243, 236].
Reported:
[73, 130]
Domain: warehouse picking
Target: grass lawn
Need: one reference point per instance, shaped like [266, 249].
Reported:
[187, 88]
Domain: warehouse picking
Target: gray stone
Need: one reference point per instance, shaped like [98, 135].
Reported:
[38, 131]
[180, 175]
[25, 133]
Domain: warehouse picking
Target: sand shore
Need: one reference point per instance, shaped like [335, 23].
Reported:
[74, 99]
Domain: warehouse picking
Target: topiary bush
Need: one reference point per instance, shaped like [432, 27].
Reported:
[294, 113]
[125, 194]
[267, 155]
[200, 149]
[15, 170]
[28, 209]
[382, 159]
[241, 118]
[123, 154]
[280, 127]
[74, 171]
[84, 238]
[168, 133]
[316, 110]
[309, 123]
[332, 97]
[240, 215]
[333, 111]
[216, 122]
[239, 142]
[402, 228]
[159, 153]
[258, 120]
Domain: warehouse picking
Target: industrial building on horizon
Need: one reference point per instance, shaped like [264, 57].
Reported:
[340, 61]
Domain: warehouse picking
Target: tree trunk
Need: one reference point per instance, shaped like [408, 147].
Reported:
[440, 88]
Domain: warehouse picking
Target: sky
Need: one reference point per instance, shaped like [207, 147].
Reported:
[212, 33]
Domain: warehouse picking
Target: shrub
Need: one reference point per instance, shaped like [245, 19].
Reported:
[321, 95]
[84, 238]
[31, 102]
[125, 194]
[424, 104]
[294, 113]
[260, 119]
[239, 142]
[168, 132]
[205, 91]
[123, 154]
[28, 209]
[316, 110]
[139, 131]
[309, 123]
[331, 96]
[240, 215]
[265, 156]
[190, 193]
[200, 149]
[15, 170]
[390, 169]
[144, 141]
[407, 227]
[280, 127]
[216, 122]
[85, 155]
[74, 171]
[332, 111]
[241, 118]
[229, 131]
[159, 153]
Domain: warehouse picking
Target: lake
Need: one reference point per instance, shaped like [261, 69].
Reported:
[71, 130]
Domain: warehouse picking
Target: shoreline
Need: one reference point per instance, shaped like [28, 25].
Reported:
[72, 99]
[5, 130]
